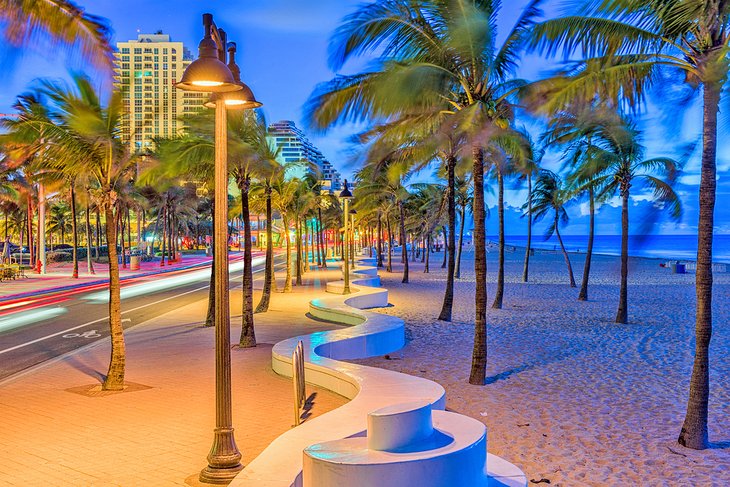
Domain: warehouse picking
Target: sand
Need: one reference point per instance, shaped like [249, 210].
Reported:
[572, 397]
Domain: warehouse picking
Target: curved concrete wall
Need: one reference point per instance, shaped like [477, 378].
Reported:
[368, 388]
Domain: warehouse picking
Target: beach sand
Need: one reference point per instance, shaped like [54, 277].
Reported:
[572, 397]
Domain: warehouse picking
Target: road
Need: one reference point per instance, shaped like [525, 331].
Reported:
[43, 328]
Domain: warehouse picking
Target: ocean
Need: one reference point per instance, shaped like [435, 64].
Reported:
[679, 247]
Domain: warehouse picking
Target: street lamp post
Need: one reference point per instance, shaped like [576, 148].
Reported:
[210, 74]
[346, 196]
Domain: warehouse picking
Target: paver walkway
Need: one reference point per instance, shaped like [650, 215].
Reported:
[159, 431]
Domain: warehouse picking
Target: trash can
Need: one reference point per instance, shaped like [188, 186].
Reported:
[681, 269]
[134, 262]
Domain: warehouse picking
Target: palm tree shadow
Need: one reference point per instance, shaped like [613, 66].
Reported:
[521, 368]
[86, 368]
[720, 445]
[507, 374]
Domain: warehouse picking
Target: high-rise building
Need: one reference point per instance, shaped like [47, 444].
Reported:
[146, 69]
[301, 155]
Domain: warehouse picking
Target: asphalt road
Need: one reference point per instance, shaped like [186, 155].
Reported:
[48, 326]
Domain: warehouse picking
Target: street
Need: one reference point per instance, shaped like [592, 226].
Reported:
[42, 328]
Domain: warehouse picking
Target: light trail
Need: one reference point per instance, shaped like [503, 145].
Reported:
[167, 283]
[27, 317]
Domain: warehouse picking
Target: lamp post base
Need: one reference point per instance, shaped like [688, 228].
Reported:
[224, 459]
[219, 475]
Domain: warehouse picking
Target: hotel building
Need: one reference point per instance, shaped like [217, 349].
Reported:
[146, 69]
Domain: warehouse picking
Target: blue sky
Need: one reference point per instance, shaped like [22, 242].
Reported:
[283, 56]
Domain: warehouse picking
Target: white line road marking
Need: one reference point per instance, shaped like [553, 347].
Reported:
[22, 345]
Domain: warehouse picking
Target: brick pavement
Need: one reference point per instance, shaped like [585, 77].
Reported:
[159, 431]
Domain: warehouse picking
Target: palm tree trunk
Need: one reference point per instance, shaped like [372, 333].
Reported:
[462, 218]
[97, 222]
[427, 251]
[248, 335]
[263, 305]
[528, 247]
[694, 429]
[114, 380]
[89, 264]
[380, 240]
[321, 238]
[565, 253]
[479, 354]
[120, 219]
[129, 234]
[75, 251]
[622, 314]
[446, 248]
[583, 294]
[298, 249]
[389, 266]
[315, 242]
[154, 233]
[404, 251]
[499, 294]
[164, 234]
[287, 278]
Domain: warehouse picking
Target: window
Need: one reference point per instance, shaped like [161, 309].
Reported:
[137, 59]
[125, 58]
[125, 66]
[125, 50]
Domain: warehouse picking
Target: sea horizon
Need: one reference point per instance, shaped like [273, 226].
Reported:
[670, 247]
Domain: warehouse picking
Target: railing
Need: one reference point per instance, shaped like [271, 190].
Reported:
[300, 395]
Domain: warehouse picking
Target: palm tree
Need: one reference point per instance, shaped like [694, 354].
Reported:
[574, 130]
[464, 200]
[284, 197]
[60, 23]
[617, 164]
[81, 128]
[628, 42]
[59, 220]
[440, 60]
[549, 196]
[507, 152]
[529, 167]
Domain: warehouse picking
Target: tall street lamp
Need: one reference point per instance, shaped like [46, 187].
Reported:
[346, 196]
[210, 74]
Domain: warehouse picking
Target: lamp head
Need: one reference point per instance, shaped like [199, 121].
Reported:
[345, 194]
[208, 73]
[241, 99]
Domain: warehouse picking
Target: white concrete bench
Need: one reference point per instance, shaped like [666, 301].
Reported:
[368, 388]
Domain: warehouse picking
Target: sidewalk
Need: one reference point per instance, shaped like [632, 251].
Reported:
[58, 431]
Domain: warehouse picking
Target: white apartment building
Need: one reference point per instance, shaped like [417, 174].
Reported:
[294, 148]
[146, 69]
